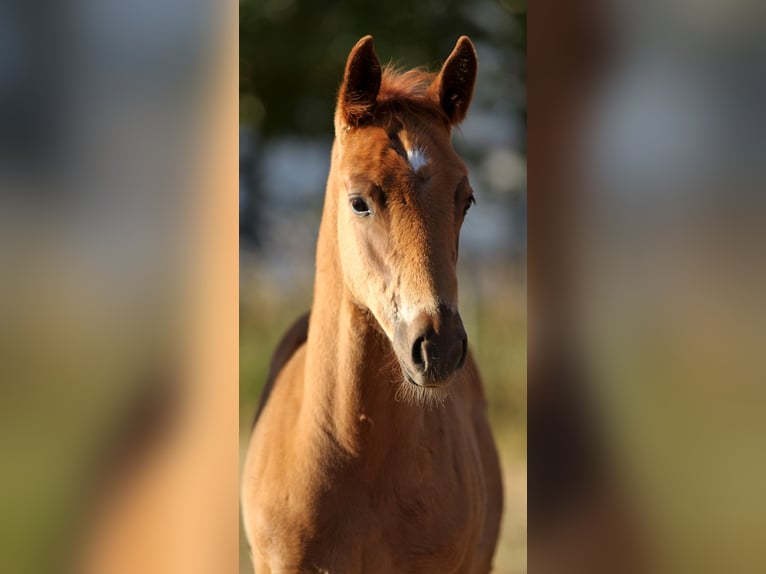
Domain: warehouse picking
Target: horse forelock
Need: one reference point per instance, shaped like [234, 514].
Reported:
[404, 94]
[396, 82]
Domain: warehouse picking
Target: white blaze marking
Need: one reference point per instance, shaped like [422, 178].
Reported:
[417, 158]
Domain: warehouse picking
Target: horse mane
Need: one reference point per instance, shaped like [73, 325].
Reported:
[405, 92]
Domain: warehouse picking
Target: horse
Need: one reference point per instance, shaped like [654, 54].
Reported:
[371, 450]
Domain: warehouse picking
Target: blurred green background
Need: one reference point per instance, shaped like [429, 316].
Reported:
[291, 62]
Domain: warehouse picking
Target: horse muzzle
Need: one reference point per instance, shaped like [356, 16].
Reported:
[431, 348]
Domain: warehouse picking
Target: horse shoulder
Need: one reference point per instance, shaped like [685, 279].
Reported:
[276, 513]
[283, 475]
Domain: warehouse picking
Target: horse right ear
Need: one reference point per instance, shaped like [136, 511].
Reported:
[361, 83]
[453, 87]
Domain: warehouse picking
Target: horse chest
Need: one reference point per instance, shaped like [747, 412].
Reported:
[421, 512]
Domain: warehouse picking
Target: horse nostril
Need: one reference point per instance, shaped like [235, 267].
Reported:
[418, 354]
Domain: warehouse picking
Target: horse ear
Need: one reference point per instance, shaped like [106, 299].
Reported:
[453, 87]
[361, 83]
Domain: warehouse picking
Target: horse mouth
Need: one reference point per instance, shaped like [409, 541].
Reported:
[425, 384]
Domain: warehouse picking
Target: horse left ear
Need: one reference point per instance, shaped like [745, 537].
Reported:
[453, 87]
[361, 83]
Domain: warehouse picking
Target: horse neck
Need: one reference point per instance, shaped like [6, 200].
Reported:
[351, 371]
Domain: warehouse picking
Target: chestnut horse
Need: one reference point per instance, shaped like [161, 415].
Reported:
[371, 451]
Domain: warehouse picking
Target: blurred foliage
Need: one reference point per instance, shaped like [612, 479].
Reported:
[292, 53]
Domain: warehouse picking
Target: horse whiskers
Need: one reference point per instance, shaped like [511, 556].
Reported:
[415, 395]
[389, 363]
[410, 393]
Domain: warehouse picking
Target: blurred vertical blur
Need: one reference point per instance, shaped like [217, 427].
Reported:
[647, 152]
[108, 113]
[292, 56]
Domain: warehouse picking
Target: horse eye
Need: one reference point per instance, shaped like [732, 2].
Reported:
[359, 206]
[471, 200]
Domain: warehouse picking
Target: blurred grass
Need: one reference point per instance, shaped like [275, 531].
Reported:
[493, 307]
